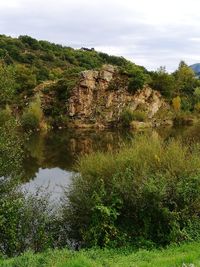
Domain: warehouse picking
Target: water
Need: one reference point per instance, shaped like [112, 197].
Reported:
[51, 158]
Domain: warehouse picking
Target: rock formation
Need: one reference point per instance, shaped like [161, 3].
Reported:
[96, 101]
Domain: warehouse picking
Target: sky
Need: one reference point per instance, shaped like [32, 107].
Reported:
[151, 33]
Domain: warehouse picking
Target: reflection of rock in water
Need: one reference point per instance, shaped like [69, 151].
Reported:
[62, 148]
[86, 144]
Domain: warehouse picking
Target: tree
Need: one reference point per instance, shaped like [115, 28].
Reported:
[137, 76]
[7, 83]
[185, 80]
[163, 82]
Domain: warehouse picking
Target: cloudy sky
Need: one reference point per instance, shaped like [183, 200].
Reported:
[151, 33]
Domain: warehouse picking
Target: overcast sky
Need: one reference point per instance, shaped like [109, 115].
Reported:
[151, 33]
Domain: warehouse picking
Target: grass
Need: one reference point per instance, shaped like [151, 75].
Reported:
[187, 255]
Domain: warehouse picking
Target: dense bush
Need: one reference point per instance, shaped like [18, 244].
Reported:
[149, 191]
[29, 121]
[5, 115]
[7, 83]
[26, 222]
[163, 82]
[127, 116]
[32, 117]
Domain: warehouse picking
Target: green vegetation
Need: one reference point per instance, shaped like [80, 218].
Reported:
[127, 116]
[29, 67]
[26, 222]
[147, 193]
[186, 255]
[32, 117]
[7, 83]
[37, 61]
[163, 82]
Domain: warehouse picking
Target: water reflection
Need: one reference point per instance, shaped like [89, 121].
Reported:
[50, 158]
[61, 149]
[51, 180]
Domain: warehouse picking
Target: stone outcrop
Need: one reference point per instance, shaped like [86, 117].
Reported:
[93, 101]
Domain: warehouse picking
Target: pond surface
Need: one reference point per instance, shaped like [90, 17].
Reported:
[51, 157]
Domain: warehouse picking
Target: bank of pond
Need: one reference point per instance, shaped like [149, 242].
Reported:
[143, 193]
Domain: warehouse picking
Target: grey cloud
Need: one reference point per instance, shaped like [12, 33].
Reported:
[106, 25]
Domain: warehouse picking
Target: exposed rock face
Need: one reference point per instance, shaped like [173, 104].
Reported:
[94, 101]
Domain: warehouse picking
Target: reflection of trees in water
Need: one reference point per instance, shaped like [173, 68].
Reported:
[62, 148]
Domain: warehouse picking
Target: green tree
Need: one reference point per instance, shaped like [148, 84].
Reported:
[185, 80]
[163, 82]
[7, 83]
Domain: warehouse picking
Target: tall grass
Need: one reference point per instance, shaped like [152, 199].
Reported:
[147, 192]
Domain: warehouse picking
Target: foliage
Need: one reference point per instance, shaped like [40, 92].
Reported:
[186, 104]
[176, 102]
[185, 80]
[33, 116]
[163, 82]
[26, 221]
[25, 79]
[137, 76]
[7, 83]
[11, 152]
[147, 191]
[127, 116]
[197, 107]
[5, 115]
[197, 93]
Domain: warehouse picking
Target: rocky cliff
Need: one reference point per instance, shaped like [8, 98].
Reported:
[100, 97]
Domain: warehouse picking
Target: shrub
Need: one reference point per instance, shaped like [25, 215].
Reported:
[127, 116]
[176, 103]
[30, 121]
[26, 221]
[137, 81]
[5, 115]
[147, 191]
[32, 117]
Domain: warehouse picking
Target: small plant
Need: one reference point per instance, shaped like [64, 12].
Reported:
[176, 103]
[127, 116]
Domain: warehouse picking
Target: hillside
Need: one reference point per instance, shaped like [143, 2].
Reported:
[81, 87]
[49, 61]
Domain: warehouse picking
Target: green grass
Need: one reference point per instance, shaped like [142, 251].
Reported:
[187, 255]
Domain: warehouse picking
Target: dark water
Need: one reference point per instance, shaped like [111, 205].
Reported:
[51, 157]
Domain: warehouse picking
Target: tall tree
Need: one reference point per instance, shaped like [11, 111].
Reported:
[185, 80]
